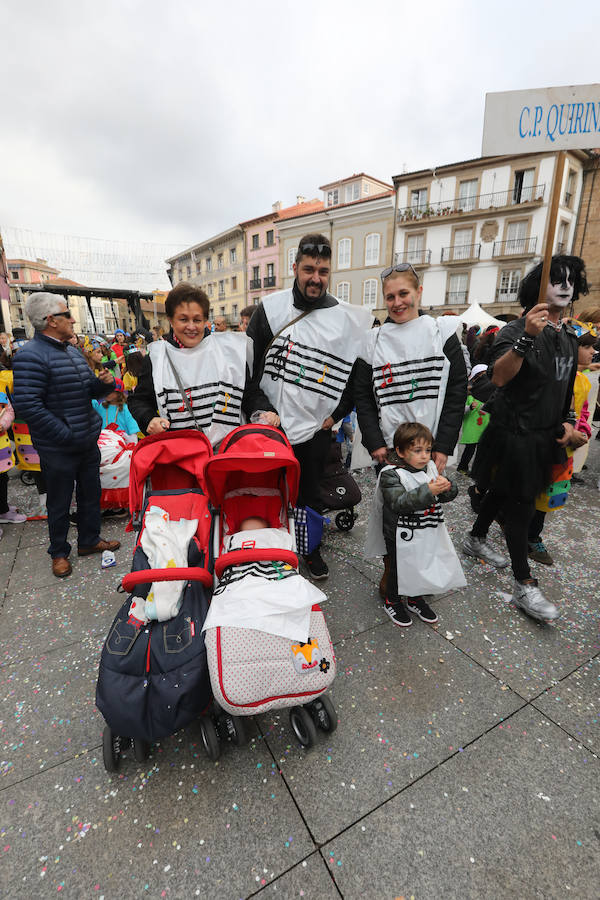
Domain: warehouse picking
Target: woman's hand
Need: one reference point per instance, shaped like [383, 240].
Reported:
[270, 418]
[157, 425]
[380, 455]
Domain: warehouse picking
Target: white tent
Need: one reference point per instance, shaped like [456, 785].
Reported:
[475, 315]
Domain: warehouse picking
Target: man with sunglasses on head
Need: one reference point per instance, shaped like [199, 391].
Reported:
[53, 390]
[412, 369]
[305, 346]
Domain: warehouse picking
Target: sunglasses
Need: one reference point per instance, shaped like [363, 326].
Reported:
[311, 249]
[67, 314]
[401, 267]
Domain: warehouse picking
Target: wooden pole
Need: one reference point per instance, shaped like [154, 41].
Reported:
[553, 215]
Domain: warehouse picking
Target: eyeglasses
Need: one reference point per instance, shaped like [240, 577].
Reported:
[401, 267]
[311, 249]
[67, 314]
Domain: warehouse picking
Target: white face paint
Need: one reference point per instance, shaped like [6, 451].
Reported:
[560, 294]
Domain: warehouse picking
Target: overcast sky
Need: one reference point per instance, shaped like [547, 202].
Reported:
[167, 122]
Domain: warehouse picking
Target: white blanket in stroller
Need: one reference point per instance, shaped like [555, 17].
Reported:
[265, 596]
[165, 543]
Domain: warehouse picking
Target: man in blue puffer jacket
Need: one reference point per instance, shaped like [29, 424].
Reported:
[53, 390]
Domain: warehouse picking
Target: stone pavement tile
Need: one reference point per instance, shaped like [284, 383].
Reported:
[309, 879]
[43, 619]
[11, 536]
[527, 655]
[352, 602]
[406, 700]
[574, 704]
[517, 814]
[35, 534]
[7, 561]
[177, 824]
[48, 710]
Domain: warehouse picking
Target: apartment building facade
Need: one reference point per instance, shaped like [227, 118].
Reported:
[587, 233]
[472, 229]
[218, 265]
[361, 230]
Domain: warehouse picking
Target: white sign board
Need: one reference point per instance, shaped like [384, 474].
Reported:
[555, 118]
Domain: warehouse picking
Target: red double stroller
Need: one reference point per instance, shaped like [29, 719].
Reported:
[255, 474]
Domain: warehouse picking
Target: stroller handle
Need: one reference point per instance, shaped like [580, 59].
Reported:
[234, 557]
[184, 573]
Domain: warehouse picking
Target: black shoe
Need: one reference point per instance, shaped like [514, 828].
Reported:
[114, 513]
[398, 613]
[317, 566]
[576, 479]
[422, 609]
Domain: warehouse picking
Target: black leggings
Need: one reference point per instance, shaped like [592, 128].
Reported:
[467, 455]
[3, 492]
[517, 518]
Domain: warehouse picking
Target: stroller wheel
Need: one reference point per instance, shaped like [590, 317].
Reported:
[141, 749]
[210, 738]
[27, 477]
[345, 520]
[324, 714]
[235, 729]
[303, 725]
[111, 750]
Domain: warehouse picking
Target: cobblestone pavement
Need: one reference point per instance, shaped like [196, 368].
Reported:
[464, 765]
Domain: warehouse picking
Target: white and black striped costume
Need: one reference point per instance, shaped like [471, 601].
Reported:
[409, 371]
[307, 366]
[214, 374]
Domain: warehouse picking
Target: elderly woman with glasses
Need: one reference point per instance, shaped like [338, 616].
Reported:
[411, 369]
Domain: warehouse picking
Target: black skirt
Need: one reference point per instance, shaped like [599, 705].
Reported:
[517, 465]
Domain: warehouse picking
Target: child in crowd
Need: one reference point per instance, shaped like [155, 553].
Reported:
[7, 461]
[114, 410]
[474, 423]
[422, 557]
[134, 362]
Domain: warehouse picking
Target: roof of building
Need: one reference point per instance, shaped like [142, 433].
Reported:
[66, 282]
[300, 209]
[325, 187]
[39, 264]
[323, 208]
[482, 160]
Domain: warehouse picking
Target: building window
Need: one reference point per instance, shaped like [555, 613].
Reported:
[333, 197]
[561, 243]
[458, 288]
[232, 255]
[14, 275]
[209, 289]
[180, 274]
[198, 268]
[370, 292]
[222, 310]
[270, 238]
[270, 270]
[208, 264]
[463, 239]
[415, 245]
[220, 261]
[255, 244]
[352, 192]
[255, 273]
[366, 188]
[344, 251]
[509, 285]
[188, 270]
[291, 255]
[221, 289]
[234, 310]
[418, 199]
[467, 194]
[343, 291]
[570, 189]
[372, 250]
[516, 237]
[523, 189]
[234, 283]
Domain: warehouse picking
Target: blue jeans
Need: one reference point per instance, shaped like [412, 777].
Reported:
[62, 469]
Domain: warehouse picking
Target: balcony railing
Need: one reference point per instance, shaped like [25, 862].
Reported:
[533, 194]
[504, 296]
[456, 298]
[269, 281]
[515, 247]
[255, 284]
[413, 257]
[460, 252]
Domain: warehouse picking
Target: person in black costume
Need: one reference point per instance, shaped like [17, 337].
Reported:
[533, 364]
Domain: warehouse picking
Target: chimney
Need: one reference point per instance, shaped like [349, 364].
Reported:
[277, 206]
[300, 198]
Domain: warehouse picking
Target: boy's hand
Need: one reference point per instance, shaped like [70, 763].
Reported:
[439, 485]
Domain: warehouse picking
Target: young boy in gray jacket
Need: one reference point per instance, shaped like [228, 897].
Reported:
[422, 557]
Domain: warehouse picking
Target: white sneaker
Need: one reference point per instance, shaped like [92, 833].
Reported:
[530, 599]
[480, 549]
[11, 516]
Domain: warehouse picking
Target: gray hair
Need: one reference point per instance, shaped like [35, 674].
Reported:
[40, 305]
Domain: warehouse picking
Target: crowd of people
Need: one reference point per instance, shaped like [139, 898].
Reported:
[301, 360]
